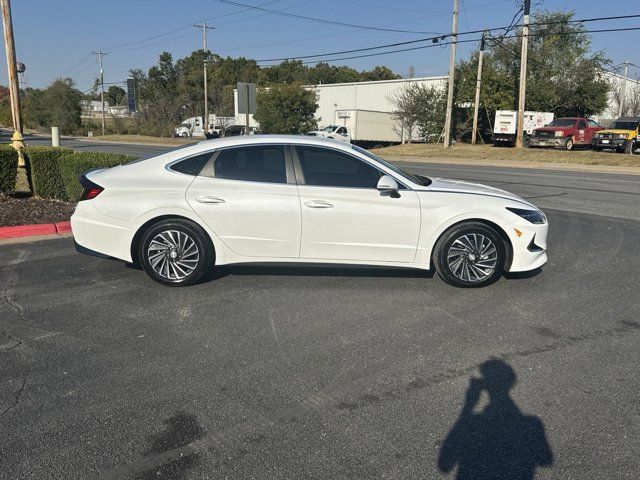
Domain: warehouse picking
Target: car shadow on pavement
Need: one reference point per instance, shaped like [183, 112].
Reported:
[310, 270]
[499, 441]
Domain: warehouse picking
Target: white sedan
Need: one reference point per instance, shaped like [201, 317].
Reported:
[300, 200]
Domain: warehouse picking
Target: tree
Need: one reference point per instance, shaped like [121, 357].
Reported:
[115, 95]
[419, 106]
[57, 105]
[286, 109]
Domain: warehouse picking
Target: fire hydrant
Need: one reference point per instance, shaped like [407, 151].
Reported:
[18, 144]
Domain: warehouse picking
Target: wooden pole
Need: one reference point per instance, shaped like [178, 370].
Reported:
[14, 88]
[478, 85]
[523, 75]
[452, 71]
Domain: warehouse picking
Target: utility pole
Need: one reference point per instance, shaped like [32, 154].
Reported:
[205, 122]
[523, 74]
[623, 90]
[14, 88]
[476, 106]
[452, 72]
[101, 54]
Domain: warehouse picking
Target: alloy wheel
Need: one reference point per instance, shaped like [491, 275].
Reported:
[472, 257]
[173, 255]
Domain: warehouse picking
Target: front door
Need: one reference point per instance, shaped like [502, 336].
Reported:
[344, 216]
[249, 199]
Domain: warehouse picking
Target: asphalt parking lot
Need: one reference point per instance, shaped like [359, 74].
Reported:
[321, 372]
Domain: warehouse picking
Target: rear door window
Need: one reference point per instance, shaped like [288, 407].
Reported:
[260, 163]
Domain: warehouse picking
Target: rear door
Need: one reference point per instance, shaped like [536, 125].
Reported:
[248, 197]
[344, 216]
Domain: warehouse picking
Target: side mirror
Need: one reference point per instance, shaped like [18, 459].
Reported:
[388, 185]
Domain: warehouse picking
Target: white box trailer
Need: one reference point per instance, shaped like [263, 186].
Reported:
[504, 127]
[368, 126]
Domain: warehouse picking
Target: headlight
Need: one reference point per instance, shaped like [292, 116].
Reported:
[559, 133]
[621, 135]
[599, 135]
[533, 216]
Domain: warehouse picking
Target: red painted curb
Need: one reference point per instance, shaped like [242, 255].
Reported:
[35, 230]
[63, 227]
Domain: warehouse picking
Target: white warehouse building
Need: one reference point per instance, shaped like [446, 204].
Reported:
[339, 102]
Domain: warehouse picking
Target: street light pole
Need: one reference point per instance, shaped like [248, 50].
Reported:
[14, 88]
[452, 71]
[101, 54]
[205, 27]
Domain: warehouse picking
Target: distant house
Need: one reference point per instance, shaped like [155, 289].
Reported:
[93, 108]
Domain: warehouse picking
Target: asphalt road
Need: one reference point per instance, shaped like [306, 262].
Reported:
[278, 372]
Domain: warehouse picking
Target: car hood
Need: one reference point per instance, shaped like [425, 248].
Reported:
[459, 186]
[616, 131]
[552, 129]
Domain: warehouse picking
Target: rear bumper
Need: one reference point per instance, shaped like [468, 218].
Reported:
[100, 235]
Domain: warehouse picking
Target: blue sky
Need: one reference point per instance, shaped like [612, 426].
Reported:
[55, 38]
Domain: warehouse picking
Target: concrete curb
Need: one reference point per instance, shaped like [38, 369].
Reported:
[38, 230]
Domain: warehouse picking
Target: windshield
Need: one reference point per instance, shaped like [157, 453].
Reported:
[417, 179]
[185, 125]
[562, 122]
[624, 125]
[330, 128]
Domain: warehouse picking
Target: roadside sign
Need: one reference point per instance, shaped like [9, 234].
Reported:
[246, 98]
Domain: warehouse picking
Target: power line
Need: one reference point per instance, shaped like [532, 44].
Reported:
[448, 42]
[439, 39]
[319, 20]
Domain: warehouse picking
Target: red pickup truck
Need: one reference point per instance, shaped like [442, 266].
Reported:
[565, 132]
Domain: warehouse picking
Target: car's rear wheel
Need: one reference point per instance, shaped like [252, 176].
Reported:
[470, 254]
[175, 252]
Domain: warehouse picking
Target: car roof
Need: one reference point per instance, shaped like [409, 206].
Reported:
[628, 119]
[261, 139]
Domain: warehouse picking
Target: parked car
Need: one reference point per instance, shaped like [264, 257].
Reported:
[337, 132]
[621, 136]
[295, 199]
[566, 132]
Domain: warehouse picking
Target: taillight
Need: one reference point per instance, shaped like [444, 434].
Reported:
[89, 193]
[89, 189]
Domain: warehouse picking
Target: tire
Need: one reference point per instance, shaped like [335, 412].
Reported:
[628, 148]
[526, 142]
[597, 149]
[175, 252]
[568, 144]
[185, 134]
[462, 262]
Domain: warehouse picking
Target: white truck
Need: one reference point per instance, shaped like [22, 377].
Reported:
[504, 127]
[362, 127]
[193, 126]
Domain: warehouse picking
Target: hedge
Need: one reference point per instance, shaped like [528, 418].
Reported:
[8, 168]
[73, 164]
[44, 171]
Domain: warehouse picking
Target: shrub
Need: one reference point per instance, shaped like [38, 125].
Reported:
[74, 164]
[45, 171]
[8, 168]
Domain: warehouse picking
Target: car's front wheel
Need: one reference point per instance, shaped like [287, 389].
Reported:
[175, 252]
[470, 254]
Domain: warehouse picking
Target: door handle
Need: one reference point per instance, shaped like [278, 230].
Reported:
[318, 204]
[209, 200]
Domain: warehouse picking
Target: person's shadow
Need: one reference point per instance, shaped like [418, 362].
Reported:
[499, 442]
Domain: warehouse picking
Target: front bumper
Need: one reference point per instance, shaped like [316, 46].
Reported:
[529, 246]
[617, 143]
[547, 141]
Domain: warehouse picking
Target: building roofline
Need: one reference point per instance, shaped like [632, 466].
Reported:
[379, 82]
